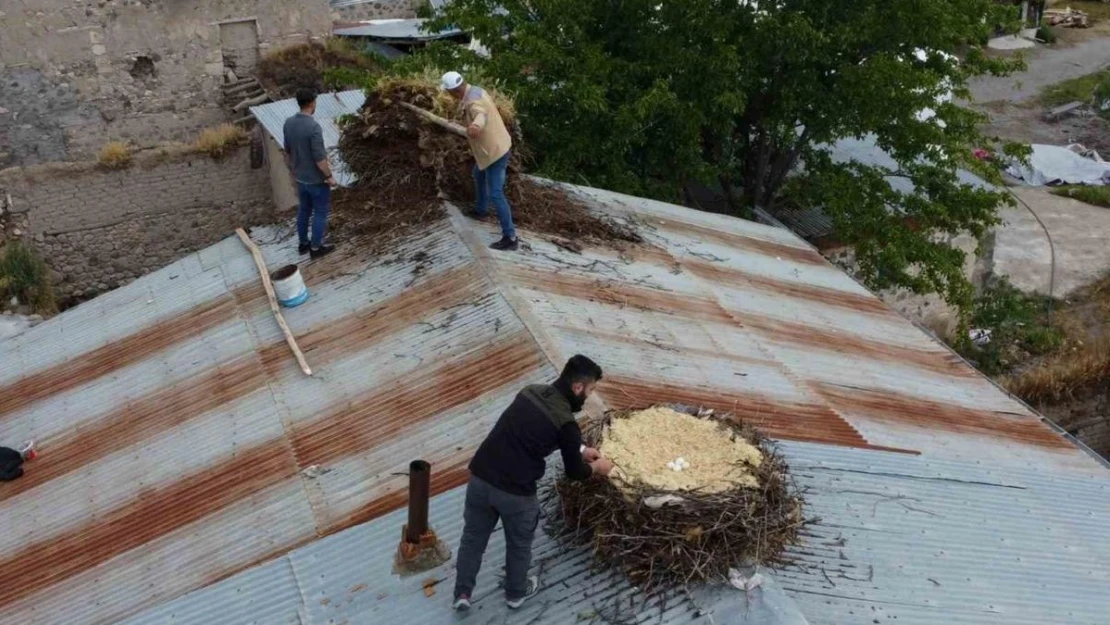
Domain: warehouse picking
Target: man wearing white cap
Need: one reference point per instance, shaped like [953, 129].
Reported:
[490, 143]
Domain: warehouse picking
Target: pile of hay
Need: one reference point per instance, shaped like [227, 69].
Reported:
[732, 504]
[405, 166]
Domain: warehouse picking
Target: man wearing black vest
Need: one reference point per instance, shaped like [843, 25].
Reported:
[506, 467]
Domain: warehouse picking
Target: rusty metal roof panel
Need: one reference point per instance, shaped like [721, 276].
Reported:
[174, 436]
[182, 445]
[900, 539]
[346, 578]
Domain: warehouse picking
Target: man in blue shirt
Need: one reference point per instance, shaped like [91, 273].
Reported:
[308, 162]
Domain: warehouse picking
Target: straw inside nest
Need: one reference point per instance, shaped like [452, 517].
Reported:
[405, 167]
[694, 540]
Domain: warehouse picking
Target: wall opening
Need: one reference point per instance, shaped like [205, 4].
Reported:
[239, 45]
[143, 67]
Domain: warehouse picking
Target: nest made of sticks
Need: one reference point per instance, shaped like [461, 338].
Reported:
[406, 166]
[667, 538]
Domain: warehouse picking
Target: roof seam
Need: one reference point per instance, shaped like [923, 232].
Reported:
[507, 290]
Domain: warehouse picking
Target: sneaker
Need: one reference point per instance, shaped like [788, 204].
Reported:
[461, 604]
[321, 251]
[474, 214]
[303, 248]
[505, 244]
[530, 590]
[27, 451]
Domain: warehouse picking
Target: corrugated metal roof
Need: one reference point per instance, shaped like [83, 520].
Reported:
[329, 108]
[176, 429]
[397, 31]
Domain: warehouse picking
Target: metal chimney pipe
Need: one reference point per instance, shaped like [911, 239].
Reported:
[420, 480]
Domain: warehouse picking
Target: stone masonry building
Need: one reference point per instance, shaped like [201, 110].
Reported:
[77, 73]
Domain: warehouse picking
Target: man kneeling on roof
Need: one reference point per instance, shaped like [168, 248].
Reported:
[491, 145]
[506, 467]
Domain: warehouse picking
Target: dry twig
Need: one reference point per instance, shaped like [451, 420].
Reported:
[697, 540]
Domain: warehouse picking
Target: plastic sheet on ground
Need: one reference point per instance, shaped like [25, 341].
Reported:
[764, 603]
[1052, 164]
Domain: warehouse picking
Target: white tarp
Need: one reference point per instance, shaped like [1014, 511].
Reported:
[1052, 164]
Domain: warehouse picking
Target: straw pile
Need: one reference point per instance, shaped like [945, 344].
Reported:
[405, 166]
[732, 503]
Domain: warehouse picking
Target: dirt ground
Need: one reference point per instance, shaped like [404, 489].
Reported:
[1012, 102]
[1024, 122]
[1017, 115]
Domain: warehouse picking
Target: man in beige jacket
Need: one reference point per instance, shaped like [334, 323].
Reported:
[491, 145]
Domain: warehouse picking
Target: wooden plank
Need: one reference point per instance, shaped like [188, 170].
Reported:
[1062, 111]
[436, 119]
[266, 284]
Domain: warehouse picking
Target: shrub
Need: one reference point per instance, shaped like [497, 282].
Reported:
[1060, 376]
[25, 276]
[1046, 35]
[115, 155]
[341, 78]
[1018, 328]
[218, 141]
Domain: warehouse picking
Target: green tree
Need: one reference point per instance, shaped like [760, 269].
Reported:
[646, 96]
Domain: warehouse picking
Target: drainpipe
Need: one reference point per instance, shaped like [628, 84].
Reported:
[420, 550]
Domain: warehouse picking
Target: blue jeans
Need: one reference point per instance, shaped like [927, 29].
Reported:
[315, 204]
[489, 185]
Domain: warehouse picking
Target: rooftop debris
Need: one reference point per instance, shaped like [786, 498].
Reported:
[406, 166]
[285, 70]
[668, 537]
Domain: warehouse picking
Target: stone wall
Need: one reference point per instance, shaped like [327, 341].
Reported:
[100, 229]
[77, 73]
[347, 11]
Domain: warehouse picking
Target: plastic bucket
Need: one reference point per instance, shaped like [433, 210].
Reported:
[289, 286]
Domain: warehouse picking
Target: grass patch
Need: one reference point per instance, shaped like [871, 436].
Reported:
[1095, 196]
[220, 140]
[1081, 89]
[1061, 376]
[1097, 10]
[1084, 360]
[115, 155]
[24, 276]
[1018, 326]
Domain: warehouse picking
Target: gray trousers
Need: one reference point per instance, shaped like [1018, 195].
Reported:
[519, 516]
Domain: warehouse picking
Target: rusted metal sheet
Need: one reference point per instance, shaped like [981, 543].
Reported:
[935, 415]
[181, 446]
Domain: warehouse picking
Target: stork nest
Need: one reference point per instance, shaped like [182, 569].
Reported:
[406, 166]
[671, 538]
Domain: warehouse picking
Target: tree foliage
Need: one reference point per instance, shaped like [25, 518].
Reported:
[647, 96]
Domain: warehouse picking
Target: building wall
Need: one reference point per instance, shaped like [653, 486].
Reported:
[77, 73]
[282, 188]
[101, 229]
[375, 10]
